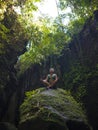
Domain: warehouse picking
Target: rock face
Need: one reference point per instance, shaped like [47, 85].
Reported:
[51, 110]
[79, 68]
[7, 126]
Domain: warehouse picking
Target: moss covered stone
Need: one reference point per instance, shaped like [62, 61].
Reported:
[51, 109]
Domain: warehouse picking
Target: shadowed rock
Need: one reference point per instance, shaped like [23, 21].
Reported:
[7, 126]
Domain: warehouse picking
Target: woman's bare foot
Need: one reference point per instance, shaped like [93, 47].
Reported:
[49, 86]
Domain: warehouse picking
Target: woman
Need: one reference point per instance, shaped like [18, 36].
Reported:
[51, 79]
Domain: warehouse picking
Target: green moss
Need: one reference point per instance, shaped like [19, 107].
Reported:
[51, 105]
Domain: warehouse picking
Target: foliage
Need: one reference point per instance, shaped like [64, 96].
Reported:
[3, 37]
[82, 8]
[55, 35]
[80, 11]
[45, 39]
[78, 78]
[38, 50]
[14, 32]
[74, 27]
[12, 39]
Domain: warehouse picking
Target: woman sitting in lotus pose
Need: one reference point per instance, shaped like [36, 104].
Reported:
[51, 79]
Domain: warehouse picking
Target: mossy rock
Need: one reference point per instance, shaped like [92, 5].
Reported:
[51, 109]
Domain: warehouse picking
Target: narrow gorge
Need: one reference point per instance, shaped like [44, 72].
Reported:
[28, 49]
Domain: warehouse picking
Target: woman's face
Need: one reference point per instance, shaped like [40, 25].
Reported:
[51, 71]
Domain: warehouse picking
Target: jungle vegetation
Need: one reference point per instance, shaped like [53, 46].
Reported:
[45, 37]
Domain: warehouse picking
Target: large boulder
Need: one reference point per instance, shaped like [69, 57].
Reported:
[53, 109]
